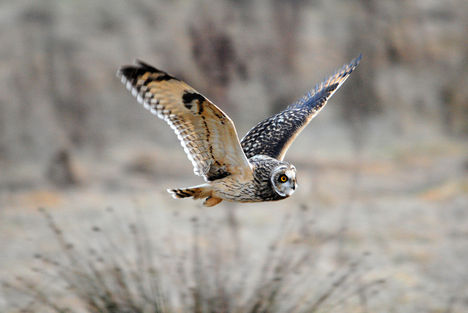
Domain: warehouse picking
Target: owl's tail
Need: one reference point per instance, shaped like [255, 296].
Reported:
[197, 192]
[192, 192]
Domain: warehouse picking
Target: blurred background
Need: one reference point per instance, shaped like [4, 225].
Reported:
[382, 169]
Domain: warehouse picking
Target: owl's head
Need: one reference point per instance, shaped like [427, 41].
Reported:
[283, 179]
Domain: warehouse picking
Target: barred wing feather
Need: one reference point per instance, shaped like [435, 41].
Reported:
[206, 133]
[273, 136]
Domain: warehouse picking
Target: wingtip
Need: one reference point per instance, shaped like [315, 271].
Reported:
[126, 70]
[143, 64]
[139, 66]
[119, 72]
[172, 193]
[355, 62]
[347, 69]
[332, 83]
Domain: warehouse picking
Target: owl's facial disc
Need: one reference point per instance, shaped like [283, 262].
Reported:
[284, 180]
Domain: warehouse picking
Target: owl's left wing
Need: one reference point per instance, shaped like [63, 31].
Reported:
[273, 136]
[206, 133]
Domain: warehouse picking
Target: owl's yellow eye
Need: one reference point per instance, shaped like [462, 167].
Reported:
[283, 178]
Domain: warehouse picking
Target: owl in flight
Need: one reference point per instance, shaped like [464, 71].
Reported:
[251, 170]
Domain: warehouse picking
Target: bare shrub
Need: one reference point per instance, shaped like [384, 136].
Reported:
[201, 273]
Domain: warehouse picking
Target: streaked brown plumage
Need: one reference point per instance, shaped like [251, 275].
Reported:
[252, 170]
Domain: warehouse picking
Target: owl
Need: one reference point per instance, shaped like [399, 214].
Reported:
[250, 170]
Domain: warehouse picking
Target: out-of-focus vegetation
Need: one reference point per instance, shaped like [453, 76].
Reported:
[59, 92]
[164, 272]
[382, 169]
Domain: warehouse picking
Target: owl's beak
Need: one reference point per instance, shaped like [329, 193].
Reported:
[291, 190]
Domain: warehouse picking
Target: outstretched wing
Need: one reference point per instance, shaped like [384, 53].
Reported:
[274, 135]
[206, 133]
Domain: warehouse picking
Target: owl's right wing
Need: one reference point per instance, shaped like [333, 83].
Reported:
[206, 133]
[273, 136]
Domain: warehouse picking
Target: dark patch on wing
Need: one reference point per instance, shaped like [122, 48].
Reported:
[188, 97]
[164, 77]
[200, 107]
[132, 72]
[147, 81]
[188, 105]
[148, 68]
[217, 175]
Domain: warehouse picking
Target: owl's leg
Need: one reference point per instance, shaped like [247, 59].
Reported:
[212, 201]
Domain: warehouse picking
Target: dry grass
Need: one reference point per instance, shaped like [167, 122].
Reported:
[208, 271]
